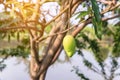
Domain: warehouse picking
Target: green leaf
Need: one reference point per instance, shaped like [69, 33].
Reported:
[114, 62]
[95, 9]
[82, 14]
[97, 28]
[87, 63]
[48, 28]
[96, 20]
[80, 53]
[80, 44]
[116, 46]
[2, 66]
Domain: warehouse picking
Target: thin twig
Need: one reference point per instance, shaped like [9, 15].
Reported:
[107, 2]
[112, 17]
[43, 38]
[112, 8]
[67, 7]
[29, 30]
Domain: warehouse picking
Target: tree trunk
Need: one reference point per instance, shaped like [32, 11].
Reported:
[38, 69]
[34, 69]
[43, 75]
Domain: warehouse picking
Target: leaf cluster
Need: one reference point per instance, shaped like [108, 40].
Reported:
[116, 46]
[81, 75]
[19, 51]
[2, 66]
[84, 42]
[22, 49]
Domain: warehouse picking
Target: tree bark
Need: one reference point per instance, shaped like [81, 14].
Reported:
[38, 69]
[43, 75]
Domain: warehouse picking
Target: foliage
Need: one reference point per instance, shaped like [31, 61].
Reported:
[89, 44]
[105, 70]
[101, 51]
[2, 66]
[116, 48]
[97, 22]
[82, 76]
[20, 51]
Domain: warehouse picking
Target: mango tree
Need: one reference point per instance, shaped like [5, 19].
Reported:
[40, 32]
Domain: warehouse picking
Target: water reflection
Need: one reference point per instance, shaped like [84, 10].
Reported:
[58, 71]
[14, 71]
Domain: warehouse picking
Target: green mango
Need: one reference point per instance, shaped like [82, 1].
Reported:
[69, 45]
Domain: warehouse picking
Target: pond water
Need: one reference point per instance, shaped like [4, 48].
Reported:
[17, 70]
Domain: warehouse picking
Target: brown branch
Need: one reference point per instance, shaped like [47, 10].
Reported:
[110, 9]
[104, 19]
[75, 3]
[57, 42]
[74, 7]
[112, 17]
[113, 2]
[66, 8]
[89, 20]
[43, 38]
[33, 45]
[56, 55]
[29, 30]
[79, 28]
[59, 50]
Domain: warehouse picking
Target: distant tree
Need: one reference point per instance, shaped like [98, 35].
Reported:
[28, 23]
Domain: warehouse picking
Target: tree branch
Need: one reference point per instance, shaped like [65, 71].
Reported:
[113, 2]
[104, 19]
[57, 41]
[112, 17]
[110, 9]
[66, 8]
[79, 28]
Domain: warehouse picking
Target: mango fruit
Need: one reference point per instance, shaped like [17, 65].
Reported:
[69, 45]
